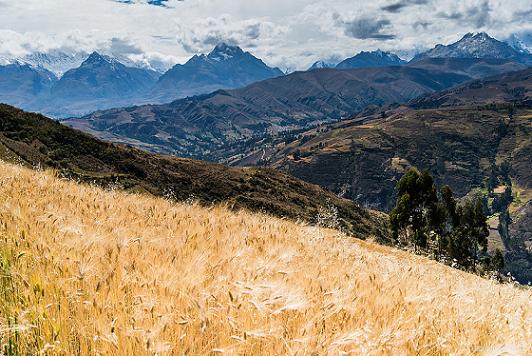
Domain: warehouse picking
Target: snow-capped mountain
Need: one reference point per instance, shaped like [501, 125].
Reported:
[55, 61]
[225, 67]
[59, 62]
[322, 64]
[102, 77]
[522, 44]
[371, 59]
[479, 45]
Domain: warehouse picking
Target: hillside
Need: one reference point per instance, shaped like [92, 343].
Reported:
[464, 146]
[37, 141]
[87, 271]
[364, 160]
[364, 156]
[513, 87]
[200, 126]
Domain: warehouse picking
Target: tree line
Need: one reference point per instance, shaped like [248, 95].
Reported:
[432, 220]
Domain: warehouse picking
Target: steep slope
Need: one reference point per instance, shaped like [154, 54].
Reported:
[88, 271]
[100, 82]
[38, 141]
[479, 45]
[370, 60]
[22, 85]
[201, 126]
[363, 157]
[226, 67]
[513, 87]
[462, 145]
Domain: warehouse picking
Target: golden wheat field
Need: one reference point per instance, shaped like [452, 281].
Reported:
[88, 271]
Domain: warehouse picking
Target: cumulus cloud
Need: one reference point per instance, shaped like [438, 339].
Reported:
[398, 6]
[366, 28]
[161, 3]
[476, 15]
[206, 33]
[289, 34]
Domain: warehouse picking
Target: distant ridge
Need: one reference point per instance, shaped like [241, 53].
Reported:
[370, 60]
[479, 45]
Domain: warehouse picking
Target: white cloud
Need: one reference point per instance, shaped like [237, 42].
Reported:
[289, 34]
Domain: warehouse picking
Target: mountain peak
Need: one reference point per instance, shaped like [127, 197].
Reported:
[475, 45]
[377, 58]
[478, 36]
[95, 58]
[223, 52]
[322, 64]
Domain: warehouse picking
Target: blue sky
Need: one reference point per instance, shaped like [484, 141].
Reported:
[289, 34]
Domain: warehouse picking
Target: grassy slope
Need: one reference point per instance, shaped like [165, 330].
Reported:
[457, 144]
[36, 140]
[90, 271]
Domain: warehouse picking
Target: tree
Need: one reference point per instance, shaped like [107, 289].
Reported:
[460, 246]
[421, 213]
[497, 261]
[297, 155]
[492, 180]
[501, 202]
[475, 227]
[416, 202]
[445, 218]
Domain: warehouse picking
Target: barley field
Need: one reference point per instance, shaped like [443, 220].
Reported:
[86, 271]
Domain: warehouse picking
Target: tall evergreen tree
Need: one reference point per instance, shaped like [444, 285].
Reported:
[445, 218]
[475, 227]
[420, 213]
[416, 203]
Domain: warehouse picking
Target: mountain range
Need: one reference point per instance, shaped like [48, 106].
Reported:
[201, 126]
[101, 82]
[471, 45]
[98, 82]
[55, 61]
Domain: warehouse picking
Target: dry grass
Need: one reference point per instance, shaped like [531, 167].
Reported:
[87, 271]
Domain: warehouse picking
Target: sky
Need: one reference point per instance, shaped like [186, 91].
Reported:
[290, 34]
